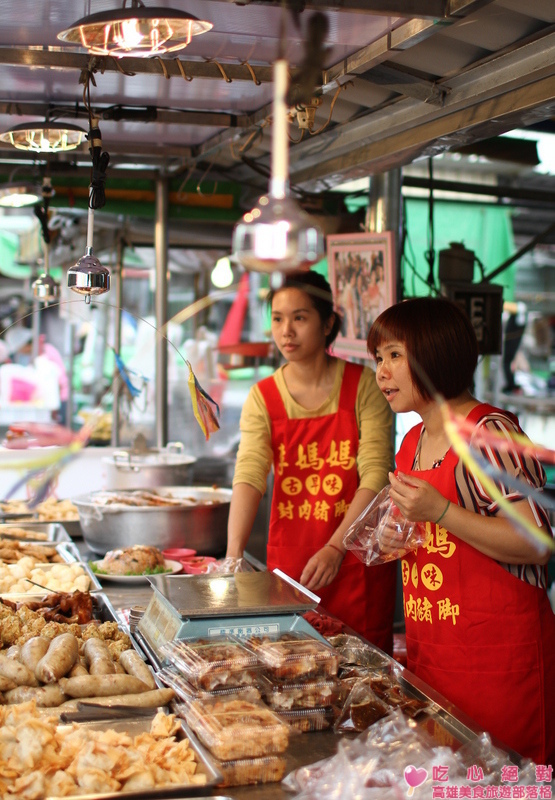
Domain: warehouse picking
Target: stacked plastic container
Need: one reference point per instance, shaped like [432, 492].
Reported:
[217, 680]
[300, 678]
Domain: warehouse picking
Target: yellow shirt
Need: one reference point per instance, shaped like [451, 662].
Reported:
[374, 419]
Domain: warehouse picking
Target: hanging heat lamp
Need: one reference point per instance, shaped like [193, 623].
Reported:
[44, 137]
[45, 288]
[19, 195]
[277, 234]
[88, 277]
[135, 31]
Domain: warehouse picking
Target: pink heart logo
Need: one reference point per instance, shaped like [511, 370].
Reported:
[414, 777]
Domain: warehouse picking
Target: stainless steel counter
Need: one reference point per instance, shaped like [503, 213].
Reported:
[447, 725]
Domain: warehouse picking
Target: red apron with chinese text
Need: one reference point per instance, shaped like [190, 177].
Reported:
[315, 479]
[482, 637]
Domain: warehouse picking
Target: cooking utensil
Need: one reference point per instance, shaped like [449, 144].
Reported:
[202, 526]
[143, 468]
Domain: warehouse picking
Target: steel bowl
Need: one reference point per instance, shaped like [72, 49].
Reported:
[131, 469]
[202, 526]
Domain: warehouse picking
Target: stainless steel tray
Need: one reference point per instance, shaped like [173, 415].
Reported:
[239, 594]
[134, 726]
[68, 551]
[94, 585]
[55, 531]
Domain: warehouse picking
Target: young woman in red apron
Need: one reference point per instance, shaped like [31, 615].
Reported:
[316, 481]
[476, 632]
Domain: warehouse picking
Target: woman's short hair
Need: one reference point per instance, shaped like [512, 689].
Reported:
[440, 341]
[319, 291]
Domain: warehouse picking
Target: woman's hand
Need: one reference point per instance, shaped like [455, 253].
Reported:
[416, 499]
[321, 569]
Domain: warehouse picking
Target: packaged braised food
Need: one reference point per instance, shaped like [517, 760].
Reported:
[354, 651]
[362, 708]
[215, 663]
[251, 770]
[296, 655]
[285, 695]
[233, 727]
[305, 720]
[187, 692]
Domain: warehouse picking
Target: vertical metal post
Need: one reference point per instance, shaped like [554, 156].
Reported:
[116, 383]
[384, 209]
[161, 310]
[36, 329]
[70, 345]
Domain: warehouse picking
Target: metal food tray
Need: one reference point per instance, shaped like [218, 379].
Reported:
[134, 726]
[67, 550]
[55, 531]
[95, 585]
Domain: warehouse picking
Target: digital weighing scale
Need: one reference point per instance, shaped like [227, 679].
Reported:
[242, 603]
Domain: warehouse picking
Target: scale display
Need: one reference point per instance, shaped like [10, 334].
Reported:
[236, 595]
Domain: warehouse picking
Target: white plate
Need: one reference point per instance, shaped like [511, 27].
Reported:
[173, 568]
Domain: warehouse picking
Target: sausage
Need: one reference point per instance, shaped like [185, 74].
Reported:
[45, 696]
[13, 652]
[118, 668]
[16, 672]
[98, 658]
[6, 684]
[77, 669]
[59, 659]
[150, 699]
[133, 664]
[33, 650]
[102, 685]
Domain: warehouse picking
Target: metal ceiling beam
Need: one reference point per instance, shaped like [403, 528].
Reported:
[422, 9]
[402, 38]
[390, 8]
[489, 81]
[411, 142]
[167, 67]
[407, 83]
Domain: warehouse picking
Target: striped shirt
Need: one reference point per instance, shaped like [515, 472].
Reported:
[472, 495]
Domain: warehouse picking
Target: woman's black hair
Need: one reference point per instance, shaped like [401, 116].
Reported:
[440, 341]
[319, 291]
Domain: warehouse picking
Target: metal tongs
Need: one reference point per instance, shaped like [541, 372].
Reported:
[92, 712]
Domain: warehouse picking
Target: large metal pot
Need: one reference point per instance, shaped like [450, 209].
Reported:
[202, 526]
[147, 468]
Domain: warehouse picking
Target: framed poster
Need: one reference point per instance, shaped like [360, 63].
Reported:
[361, 268]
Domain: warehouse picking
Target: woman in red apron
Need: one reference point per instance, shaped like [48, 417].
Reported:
[324, 426]
[479, 625]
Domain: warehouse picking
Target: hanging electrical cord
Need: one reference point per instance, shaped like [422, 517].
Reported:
[41, 210]
[100, 159]
[430, 253]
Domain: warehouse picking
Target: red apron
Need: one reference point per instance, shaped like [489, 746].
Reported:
[476, 633]
[315, 479]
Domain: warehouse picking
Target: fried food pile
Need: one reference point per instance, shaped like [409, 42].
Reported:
[40, 759]
[65, 607]
[50, 510]
[12, 552]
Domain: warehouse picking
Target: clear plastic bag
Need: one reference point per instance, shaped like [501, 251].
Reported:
[225, 566]
[381, 533]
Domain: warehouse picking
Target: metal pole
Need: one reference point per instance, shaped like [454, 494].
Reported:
[71, 370]
[35, 329]
[161, 310]
[116, 384]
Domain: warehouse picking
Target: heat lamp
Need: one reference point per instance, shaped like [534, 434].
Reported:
[135, 31]
[44, 137]
[19, 195]
[88, 277]
[277, 234]
[45, 288]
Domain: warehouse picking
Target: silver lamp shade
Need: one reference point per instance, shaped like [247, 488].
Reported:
[88, 276]
[277, 235]
[45, 288]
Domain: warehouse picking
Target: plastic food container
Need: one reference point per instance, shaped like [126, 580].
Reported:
[307, 694]
[215, 663]
[233, 727]
[178, 553]
[296, 655]
[305, 720]
[251, 770]
[187, 692]
[196, 565]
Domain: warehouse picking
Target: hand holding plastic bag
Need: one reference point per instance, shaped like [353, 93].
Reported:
[381, 533]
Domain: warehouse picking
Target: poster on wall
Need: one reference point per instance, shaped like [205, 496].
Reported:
[361, 269]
